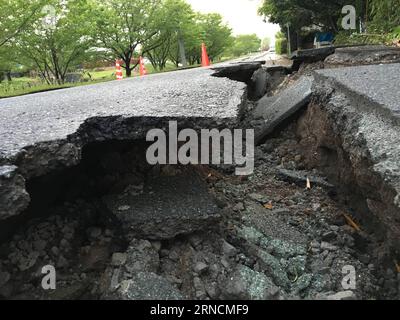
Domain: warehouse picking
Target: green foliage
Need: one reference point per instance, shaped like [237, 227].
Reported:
[87, 31]
[396, 33]
[382, 26]
[385, 14]
[124, 26]
[281, 46]
[245, 44]
[214, 33]
[380, 17]
[179, 25]
[15, 16]
[56, 48]
[304, 13]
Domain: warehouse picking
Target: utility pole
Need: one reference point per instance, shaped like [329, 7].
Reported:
[289, 40]
[182, 51]
[366, 16]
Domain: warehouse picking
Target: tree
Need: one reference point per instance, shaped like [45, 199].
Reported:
[305, 17]
[6, 64]
[191, 37]
[177, 26]
[124, 27]
[15, 16]
[60, 45]
[215, 34]
[245, 44]
[300, 13]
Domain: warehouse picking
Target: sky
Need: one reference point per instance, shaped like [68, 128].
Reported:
[241, 15]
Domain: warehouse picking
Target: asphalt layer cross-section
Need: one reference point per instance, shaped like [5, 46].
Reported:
[50, 116]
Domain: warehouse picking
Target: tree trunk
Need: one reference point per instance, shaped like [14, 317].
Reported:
[8, 74]
[128, 67]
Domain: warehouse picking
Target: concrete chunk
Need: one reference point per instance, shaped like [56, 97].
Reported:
[147, 286]
[169, 206]
[13, 196]
[343, 295]
[274, 110]
[247, 284]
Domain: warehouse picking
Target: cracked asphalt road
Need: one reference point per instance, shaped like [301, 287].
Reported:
[379, 83]
[51, 116]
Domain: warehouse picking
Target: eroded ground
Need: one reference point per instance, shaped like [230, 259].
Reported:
[116, 228]
[275, 239]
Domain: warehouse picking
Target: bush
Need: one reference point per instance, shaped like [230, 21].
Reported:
[281, 46]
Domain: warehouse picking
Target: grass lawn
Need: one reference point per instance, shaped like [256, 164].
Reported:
[25, 85]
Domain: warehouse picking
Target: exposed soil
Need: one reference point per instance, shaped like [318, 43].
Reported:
[295, 240]
[279, 235]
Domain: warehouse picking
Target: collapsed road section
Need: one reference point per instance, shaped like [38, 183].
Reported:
[78, 194]
[47, 131]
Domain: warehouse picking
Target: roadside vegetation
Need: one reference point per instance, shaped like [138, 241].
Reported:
[378, 21]
[50, 44]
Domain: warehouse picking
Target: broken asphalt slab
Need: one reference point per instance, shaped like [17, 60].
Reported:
[310, 56]
[13, 197]
[378, 84]
[170, 205]
[347, 56]
[44, 132]
[57, 115]
[251, 72]
[272, 111]
[351, 56]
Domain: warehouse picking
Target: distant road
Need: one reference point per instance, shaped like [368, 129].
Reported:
[270, 58]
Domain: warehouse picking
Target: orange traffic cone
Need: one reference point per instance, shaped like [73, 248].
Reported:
[119, 70]
[142, 68]
[205, 61]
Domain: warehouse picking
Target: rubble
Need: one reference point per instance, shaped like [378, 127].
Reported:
[13, 196]
[343, 295]
[273, 111]
[147, 286]
[300, 178]
[169, 206]
[246, 284]
[126, 230]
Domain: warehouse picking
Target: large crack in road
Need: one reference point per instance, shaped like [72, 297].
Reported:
[82, 197]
